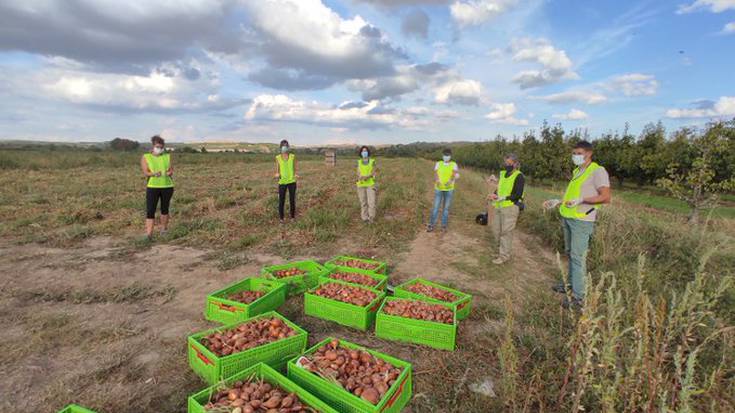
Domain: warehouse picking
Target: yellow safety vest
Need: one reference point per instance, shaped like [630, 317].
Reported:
[366, 170]
[574, 191]
[505, 187]
[445, 172]
[286, 169]
[159, 163]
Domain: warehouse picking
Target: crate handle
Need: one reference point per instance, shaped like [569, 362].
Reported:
[395, 395]
[230, 308]
[202, 357]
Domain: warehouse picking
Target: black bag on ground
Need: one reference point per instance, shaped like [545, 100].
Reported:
[481, 219]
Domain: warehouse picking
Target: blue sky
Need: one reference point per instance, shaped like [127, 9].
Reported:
[359, 71]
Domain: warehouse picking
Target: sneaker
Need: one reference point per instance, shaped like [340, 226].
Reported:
[282, 221]
[574, 303]
[444, 229]
[561, 288]
[430, 229]
[499, 261]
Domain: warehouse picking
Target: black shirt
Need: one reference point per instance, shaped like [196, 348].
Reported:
[516, 194]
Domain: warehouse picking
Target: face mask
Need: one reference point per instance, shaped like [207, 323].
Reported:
[157, 150]
[364, 154]
[578, 160]
[446, 158]
[284, 149]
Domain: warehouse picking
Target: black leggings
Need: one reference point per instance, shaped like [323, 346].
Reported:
[291, 188]
[151, 200]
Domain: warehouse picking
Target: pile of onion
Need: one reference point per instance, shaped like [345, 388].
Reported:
[245, 297]
[346, 293]
[419, 310]
[433, 292]
[255, 396]
[356, 264]
[358, 372]
[246, 336]
[288, 272]
[355, 278]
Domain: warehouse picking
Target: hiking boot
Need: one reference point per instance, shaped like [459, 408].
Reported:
[561, 288]
[574, 303]
[444, 229]
[499, 261]
[430, 228]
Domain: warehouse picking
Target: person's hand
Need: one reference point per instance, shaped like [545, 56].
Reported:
[157, 174]
[296, 176]
[493, 197]
[492, 179]
[551, 203]
[277, 176]
[573, 202]
[170, 173]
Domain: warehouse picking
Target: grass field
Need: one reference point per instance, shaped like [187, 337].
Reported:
[98, 316]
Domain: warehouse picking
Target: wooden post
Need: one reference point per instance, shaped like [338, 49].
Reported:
[330, 157]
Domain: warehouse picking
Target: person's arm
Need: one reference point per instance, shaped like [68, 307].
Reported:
[375, 170]
[144, 167]
[436, 173]
[278, 171]
[295, 175]
[604, 196]
[170, 171]
[517, 192]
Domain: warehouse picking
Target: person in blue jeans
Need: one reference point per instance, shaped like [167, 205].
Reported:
[588, 190]
[446, 173]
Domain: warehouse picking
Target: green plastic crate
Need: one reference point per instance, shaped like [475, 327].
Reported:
[298, 284]
[342, 400]
[349, 315]
[262, 371]
[213, 368]
[73, 408]
[380, 266]
[463, 304]
[438, 335]
[380, 278]
[225, 311]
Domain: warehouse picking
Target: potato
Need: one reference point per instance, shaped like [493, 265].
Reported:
[346, 293]
[354, 278]
[419, 310]
[264, 397]
[289, 272]
[356, 264]
[433, 292]
[246, 336]
[245, 297]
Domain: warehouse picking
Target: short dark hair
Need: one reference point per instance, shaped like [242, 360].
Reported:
[447, 151]
[284, 143]
[583, 145]
[156, 139]
[366, 148]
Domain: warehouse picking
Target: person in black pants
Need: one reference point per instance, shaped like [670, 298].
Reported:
[158, 170]
[286, 175]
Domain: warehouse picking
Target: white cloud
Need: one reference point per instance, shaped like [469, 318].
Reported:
[574, 114]
[475, 12]
[724, 107]
[556, 64]
[715, 6]
[571, 96]
[459, 91]
[505, 113]
[729, 28]
[634, 84]
[370, 115]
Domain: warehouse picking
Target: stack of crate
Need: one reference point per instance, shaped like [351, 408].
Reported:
[330, 157]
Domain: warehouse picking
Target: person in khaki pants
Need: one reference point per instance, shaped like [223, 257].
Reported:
[366, 191]
[507, 199]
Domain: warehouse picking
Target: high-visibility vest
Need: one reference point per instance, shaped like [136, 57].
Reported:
[446, 173]
[505, 187]
[366, 170]
[574, 191]
[286, 169]
[159, 163]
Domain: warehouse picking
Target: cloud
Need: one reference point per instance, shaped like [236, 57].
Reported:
[459, 91]
[474, 12]
[729, 28]
[724, 107]
[505, 113]
[556, 64]
[365, 115]
[574, 114]
[416, 23]
[715, 6]
[634, 84]
[399, 3]
[313, 40]
[572, 96]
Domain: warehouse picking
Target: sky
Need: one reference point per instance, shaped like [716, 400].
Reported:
[359, 71]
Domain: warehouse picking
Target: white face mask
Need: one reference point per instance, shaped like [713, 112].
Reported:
[364, 154]
[157, 150]
[578, 160]
[446, 158]
[284, 149]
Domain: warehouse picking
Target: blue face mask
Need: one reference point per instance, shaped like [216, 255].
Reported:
[364, 154]
[284, 149]
[446, 158]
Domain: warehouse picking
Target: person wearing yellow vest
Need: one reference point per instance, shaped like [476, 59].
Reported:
[286, 175]
[366, 191]
[446, 174]
[158, 171]
[506, 201]
[588, 190]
